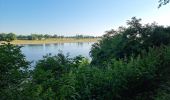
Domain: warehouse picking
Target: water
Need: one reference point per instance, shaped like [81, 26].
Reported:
[35, 52]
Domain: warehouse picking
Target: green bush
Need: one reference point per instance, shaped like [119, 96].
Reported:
[129, 41]
[129, 64]
[141, 78]
[13, 71]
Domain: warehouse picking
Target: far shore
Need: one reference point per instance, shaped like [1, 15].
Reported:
[54, 40]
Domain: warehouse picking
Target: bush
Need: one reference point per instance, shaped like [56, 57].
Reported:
[13, 71]
[131, 64]
[129, 41]
[141, 78]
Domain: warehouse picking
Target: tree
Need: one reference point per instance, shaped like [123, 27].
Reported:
[46, 36]
[13, 71]
[7, 37]
[163, 2]
[2, 36]
[10, 37]
[130, 41]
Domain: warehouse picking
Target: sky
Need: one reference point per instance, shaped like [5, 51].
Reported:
[71, 17]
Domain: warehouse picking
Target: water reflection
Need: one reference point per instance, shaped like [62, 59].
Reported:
[35, 52]
[80, 44]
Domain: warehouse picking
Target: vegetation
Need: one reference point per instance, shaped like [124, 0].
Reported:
[44, 39]
[55, 40]
[7, 37]
[128, 64]
[13, 71]
[163, 2]
[12, 36]
[129, 42]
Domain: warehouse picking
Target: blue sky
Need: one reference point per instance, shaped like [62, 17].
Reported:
[71, 17]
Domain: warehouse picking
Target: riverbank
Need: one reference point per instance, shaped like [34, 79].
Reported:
[55, 40]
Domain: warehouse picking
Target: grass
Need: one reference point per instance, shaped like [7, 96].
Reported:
[55, 40]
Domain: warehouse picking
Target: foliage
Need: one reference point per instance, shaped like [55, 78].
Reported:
[12, 36]
[7, 37]
[163, 2]
[129, 64]
[52, 78]
[13, 71]
[129, 41]
[141, 78]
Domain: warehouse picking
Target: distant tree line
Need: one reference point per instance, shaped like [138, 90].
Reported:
[7, 37]
[12, 36]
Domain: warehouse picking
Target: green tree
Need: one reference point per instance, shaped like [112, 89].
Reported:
[129, 42]
[46, 36]
[7, 37]
[52, 78]
[10, 37]
[2, 36]
[163, 2]
[13, 71]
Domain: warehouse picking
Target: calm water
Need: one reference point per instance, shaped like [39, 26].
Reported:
[36, 52]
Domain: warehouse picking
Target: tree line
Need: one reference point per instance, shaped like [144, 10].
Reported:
[7, 37]
[12, 36]
[130, 63]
